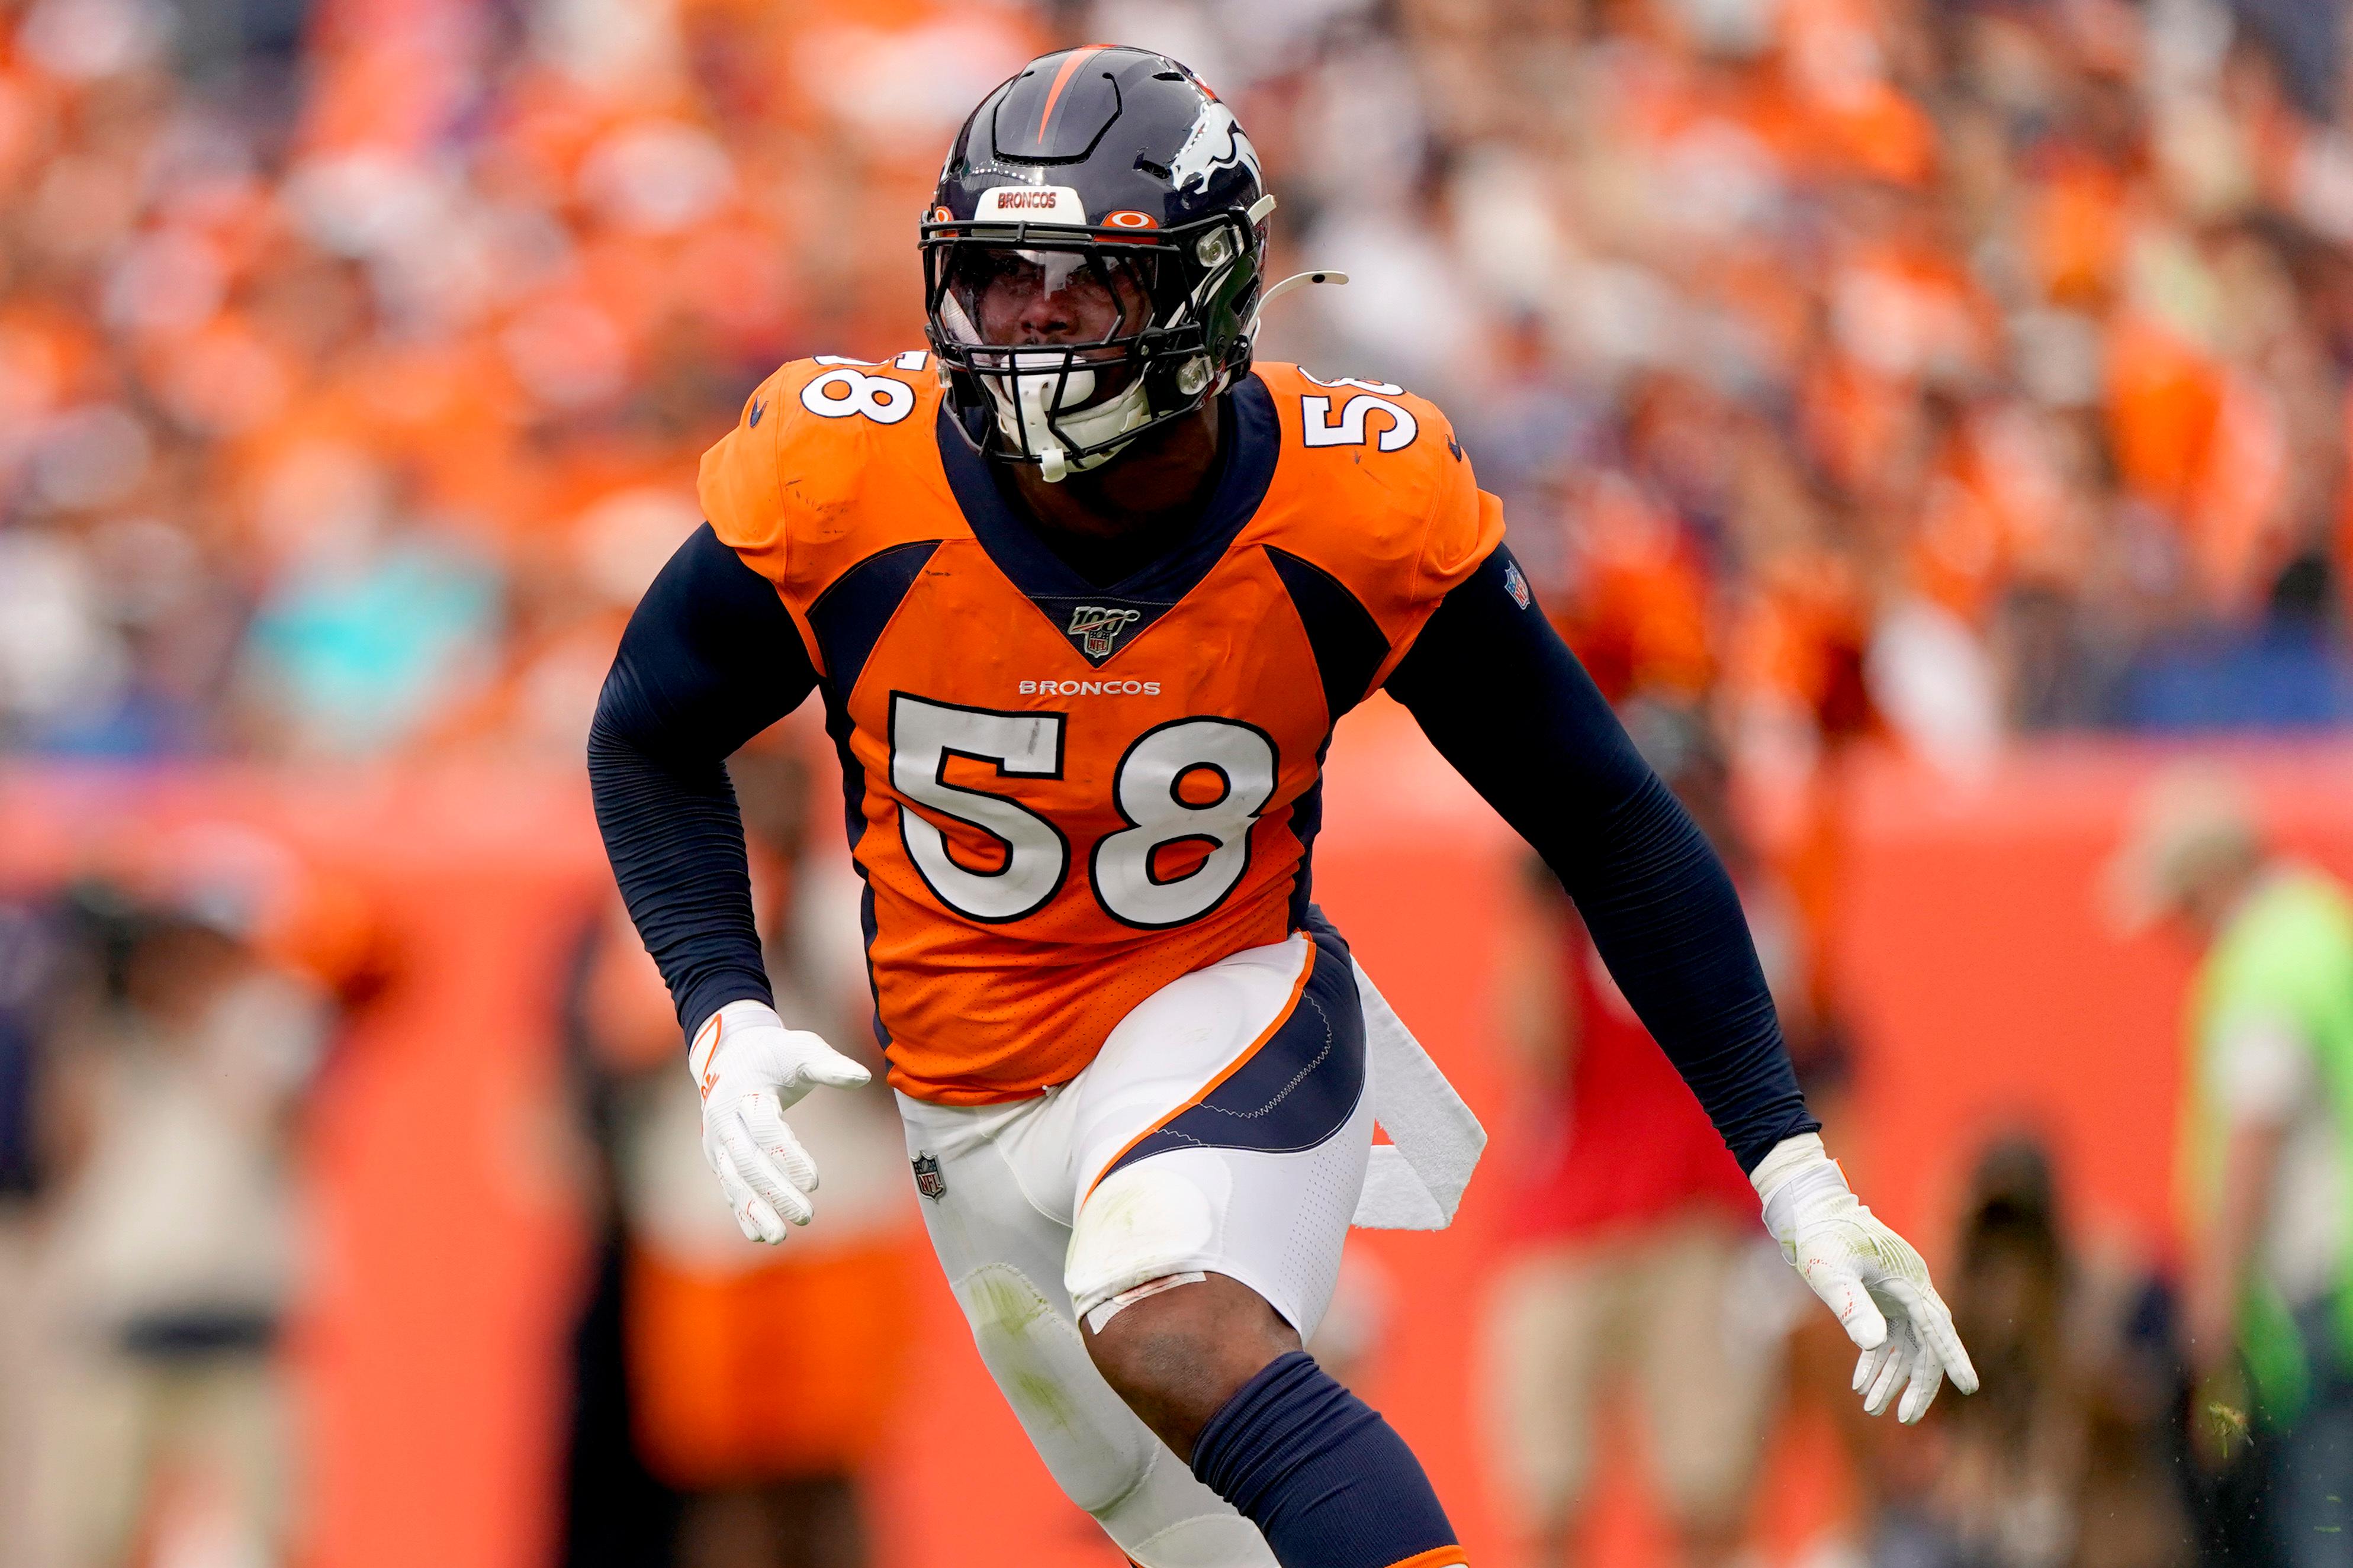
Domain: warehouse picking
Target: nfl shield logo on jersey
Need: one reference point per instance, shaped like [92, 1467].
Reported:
[928, 1179]
[1098, 628]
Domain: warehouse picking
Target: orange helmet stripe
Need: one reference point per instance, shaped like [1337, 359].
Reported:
[1079, 56]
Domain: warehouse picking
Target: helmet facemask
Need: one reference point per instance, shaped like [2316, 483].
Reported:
[1062, 345]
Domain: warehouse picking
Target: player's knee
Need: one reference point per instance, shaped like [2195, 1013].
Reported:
[1174, 1340]
[1177, 1349]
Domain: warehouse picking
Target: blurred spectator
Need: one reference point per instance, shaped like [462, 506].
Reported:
[1641, 1282]
[2067, 1453]
[173, 1243]
[700, 1436]
[2268, 1307]
[33, 969]
[372, 626]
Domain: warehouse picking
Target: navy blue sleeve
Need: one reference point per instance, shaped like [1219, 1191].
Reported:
[1505, 700]
[709, 660]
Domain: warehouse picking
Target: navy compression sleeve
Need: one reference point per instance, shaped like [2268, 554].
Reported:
[1505, 700]
[709, 660]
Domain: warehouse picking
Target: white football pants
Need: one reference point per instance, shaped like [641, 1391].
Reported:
[1224, 1128]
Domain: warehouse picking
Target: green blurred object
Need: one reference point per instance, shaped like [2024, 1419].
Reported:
[2287, 954]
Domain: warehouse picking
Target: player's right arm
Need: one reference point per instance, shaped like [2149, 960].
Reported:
[715, 655]
[709, 660]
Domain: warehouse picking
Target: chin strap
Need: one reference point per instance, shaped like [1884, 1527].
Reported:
[1296, 281]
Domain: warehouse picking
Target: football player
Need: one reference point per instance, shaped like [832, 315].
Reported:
[1084, 591]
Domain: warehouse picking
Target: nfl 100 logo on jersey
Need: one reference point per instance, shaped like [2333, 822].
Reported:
[1098, 629]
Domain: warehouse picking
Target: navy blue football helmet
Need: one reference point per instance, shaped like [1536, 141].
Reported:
[1094, 256]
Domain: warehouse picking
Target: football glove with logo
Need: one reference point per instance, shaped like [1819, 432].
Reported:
[751, 1070]
[1866, 1274]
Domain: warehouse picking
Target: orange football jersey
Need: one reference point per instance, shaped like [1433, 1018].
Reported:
[1062, 797]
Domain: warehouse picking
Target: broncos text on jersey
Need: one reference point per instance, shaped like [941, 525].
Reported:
[1062, 797]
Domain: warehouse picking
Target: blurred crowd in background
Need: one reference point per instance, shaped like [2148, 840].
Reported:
[1932, 371]
[1944, 366]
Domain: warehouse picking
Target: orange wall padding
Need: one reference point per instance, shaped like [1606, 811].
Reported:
[1972, 955]
[443, 1225]
[1992, 990]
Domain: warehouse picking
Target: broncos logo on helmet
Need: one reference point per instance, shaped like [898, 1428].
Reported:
[1215, 142]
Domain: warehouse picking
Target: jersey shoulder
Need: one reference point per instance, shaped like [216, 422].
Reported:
[1376, 490]
[828, 458]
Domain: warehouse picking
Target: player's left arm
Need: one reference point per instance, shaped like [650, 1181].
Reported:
[1506, 702]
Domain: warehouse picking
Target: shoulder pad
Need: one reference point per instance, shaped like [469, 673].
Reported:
[1384, 467]
[1353, 428]
[810, 438]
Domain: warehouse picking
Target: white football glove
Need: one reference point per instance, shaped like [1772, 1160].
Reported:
[1866, 1274]
[751, 1070]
